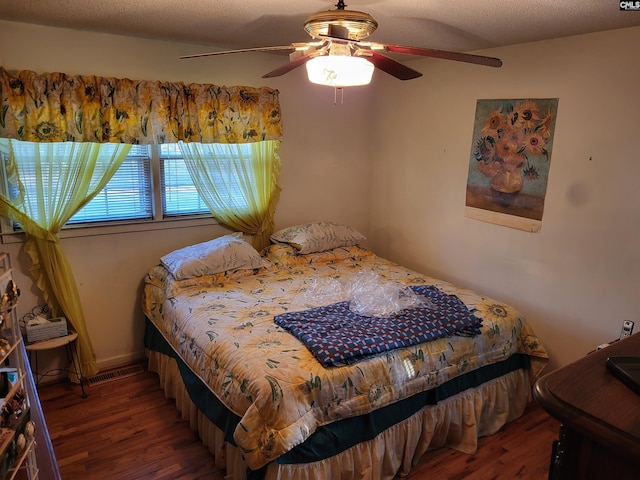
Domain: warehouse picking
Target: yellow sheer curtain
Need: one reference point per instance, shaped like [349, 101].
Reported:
[67, 176]
[239, 183]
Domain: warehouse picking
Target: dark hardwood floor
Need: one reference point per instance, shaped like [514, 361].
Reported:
[127, 430]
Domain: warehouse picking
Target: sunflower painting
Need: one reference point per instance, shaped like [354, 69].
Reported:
[509, 162]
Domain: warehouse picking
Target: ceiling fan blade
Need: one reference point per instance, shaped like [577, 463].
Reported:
[392, 67]
[446, 55]
[241, 50]
[286, 68]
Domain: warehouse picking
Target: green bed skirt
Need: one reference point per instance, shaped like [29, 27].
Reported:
[329, 440]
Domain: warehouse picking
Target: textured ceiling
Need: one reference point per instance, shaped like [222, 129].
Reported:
[460, 25]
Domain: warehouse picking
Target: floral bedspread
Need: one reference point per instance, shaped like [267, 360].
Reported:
[222, 326]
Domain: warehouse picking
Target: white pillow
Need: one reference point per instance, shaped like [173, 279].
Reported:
[224, 253]
[318, 236]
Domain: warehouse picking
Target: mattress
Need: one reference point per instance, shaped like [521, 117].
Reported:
[273, 397]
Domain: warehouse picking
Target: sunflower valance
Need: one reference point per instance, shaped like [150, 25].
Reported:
[56, 107]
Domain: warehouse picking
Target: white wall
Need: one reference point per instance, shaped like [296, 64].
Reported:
[579, 278]
[318, 180]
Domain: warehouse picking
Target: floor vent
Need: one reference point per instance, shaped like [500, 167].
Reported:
[115, 374]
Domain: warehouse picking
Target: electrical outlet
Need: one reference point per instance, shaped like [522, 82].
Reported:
[627, 329]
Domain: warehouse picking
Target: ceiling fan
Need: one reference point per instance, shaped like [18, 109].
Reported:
[339, 57]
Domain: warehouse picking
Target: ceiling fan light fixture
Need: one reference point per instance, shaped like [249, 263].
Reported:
[340, 71]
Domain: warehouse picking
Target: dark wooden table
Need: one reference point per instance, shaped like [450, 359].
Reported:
[600, 417]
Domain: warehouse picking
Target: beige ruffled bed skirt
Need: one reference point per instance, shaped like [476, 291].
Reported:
[456, 422]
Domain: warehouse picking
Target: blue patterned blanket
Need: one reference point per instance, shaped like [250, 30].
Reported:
[337, 336]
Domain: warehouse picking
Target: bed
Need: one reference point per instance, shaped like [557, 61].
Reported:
[268, 407]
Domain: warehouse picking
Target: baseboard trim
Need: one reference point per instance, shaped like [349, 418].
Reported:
[121, 360]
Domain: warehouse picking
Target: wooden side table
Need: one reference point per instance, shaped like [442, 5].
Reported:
[69, 342]
[600, 416]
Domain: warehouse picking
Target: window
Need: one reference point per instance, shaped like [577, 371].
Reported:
[151, 188]
[179, 194]
[127, 196]
[132, 194]
[227, 172]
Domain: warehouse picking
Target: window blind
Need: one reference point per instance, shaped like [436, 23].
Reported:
[128, 194]
[179, 194]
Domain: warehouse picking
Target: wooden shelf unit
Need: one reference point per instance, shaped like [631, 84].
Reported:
[21, 411]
